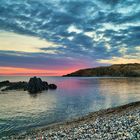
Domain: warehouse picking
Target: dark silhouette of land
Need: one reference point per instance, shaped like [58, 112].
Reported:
[116, 70]
[34, 85]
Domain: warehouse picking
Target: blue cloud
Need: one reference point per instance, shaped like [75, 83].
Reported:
[37, 61]
[117, 20]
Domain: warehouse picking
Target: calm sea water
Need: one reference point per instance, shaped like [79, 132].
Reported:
[20, 111]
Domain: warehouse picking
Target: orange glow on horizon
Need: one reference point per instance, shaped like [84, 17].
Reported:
[11, 71]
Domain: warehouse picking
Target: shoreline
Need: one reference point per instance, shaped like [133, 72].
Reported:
[115, 112]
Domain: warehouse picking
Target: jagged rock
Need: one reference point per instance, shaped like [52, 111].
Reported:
[36, 85]
[52, 86]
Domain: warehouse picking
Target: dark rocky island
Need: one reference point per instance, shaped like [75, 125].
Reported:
[34, 85]
[116, 70]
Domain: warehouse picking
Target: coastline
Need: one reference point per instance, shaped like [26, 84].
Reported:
[51, 131]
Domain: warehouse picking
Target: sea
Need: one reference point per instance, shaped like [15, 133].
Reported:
[74, 97]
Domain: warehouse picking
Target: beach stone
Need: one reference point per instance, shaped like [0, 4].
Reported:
[115, 127]
[52, 86]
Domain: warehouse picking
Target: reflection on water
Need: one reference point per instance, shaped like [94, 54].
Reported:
[74, 97]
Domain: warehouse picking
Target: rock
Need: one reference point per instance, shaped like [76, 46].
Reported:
[52, 86]
[36, 85]
[4, 83]
[16, 86]
[45, 85]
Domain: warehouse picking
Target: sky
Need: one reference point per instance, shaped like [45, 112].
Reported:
[56, 37]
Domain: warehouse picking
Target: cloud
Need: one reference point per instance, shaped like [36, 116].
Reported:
[88, 30]
[118, 60]
[14, 42]
[72, 28]
[39, 61]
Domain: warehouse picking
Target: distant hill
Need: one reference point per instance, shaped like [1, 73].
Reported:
[116, 70]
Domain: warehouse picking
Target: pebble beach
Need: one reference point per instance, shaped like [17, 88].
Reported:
[119, 123]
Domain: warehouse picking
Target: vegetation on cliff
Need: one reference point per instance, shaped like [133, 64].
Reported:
[116, 70]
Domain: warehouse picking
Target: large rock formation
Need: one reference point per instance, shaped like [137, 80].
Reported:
[34, 85]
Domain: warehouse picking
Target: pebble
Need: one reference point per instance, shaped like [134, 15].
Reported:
[115, 127]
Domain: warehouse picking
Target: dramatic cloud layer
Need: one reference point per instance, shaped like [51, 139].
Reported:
[68, 34]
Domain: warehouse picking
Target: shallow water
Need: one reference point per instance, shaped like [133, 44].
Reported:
[20, 111]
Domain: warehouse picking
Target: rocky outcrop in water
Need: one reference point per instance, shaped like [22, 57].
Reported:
[52, 86]
[16, 86]
[4, 83]
[34, 85]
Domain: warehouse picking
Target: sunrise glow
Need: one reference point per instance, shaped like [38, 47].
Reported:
[55, 37]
